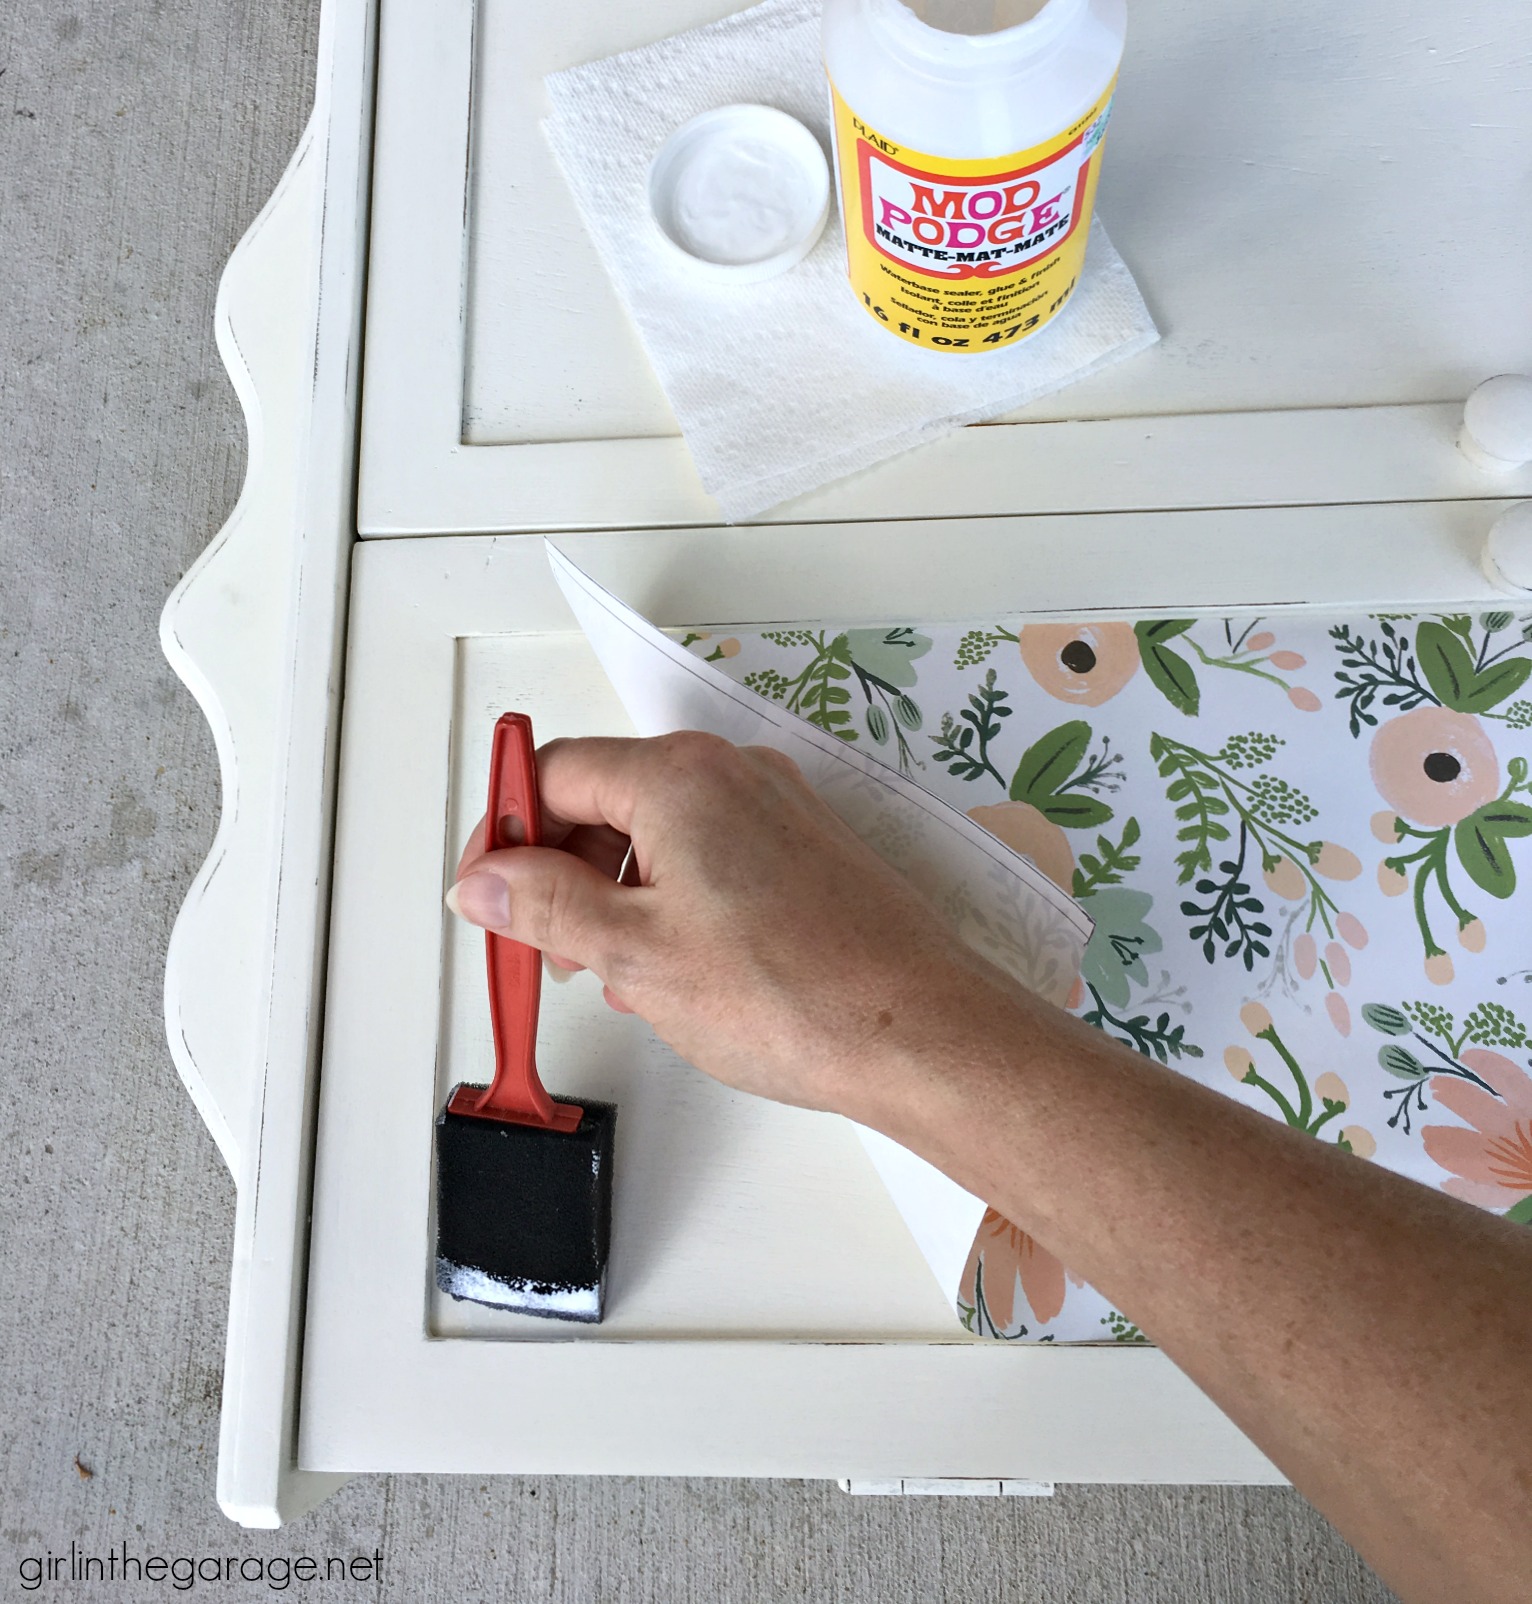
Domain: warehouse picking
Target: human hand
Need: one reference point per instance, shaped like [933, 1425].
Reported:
[766, 942]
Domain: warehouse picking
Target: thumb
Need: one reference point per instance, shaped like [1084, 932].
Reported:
[551, 900]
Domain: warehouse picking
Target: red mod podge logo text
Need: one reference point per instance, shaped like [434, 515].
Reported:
[971, 227]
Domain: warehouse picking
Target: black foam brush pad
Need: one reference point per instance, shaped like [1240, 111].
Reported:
[524, 1214]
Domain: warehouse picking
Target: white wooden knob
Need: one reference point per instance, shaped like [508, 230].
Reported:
[1497, 423]
[1508, 550]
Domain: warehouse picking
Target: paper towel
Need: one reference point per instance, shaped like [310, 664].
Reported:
[783, 386]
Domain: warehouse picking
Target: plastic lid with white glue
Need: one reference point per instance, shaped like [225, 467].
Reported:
[741, 192]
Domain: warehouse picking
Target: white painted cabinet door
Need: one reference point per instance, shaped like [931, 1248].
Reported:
[1325, 207]
[768, 1312]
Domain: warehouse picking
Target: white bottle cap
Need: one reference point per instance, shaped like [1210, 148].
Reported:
[741, 192]
[1497, 423]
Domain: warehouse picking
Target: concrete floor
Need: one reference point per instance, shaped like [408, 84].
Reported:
[137, 140]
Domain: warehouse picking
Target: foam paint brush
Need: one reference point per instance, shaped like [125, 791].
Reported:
[523, 1180]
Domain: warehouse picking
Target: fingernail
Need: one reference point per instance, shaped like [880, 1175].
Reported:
[483, 900]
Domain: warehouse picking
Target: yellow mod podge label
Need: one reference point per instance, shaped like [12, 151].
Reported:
[966, 256]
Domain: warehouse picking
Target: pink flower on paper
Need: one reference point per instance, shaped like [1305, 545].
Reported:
[1439, 970]
[1339, 1011]
[1005, 1257]
[1086, 664]
[1338, 961]
[1285, 879]
[1352, 931]
[1434, 766]
[1360, 1140]
[1490, 1160]
[1031, 833]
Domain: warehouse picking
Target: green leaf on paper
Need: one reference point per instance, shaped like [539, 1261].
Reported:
[1400, 1062]
[1150, 631]
[1113, 863]
[887, 654]
[1389, 1020]
[1481, 847]
[1448, 666]
[1495, 685]
[1446, 663]
[1169, 672]
[1510, 819]
[1074, 810]
[907, 711]
[1049, 762]
[1520, 1213]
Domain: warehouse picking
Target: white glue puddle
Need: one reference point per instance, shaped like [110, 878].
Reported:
[744, 189]
[733, 203]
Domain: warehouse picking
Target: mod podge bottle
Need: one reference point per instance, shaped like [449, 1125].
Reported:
[967, 144]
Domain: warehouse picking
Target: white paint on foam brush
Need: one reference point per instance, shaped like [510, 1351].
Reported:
[526, 1297]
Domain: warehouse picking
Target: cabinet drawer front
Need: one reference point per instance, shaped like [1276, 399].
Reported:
[753, 1242]
[1279, 201]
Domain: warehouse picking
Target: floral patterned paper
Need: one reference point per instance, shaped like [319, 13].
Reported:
[1299, 839]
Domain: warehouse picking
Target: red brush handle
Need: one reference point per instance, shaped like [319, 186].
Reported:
[515, 969]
